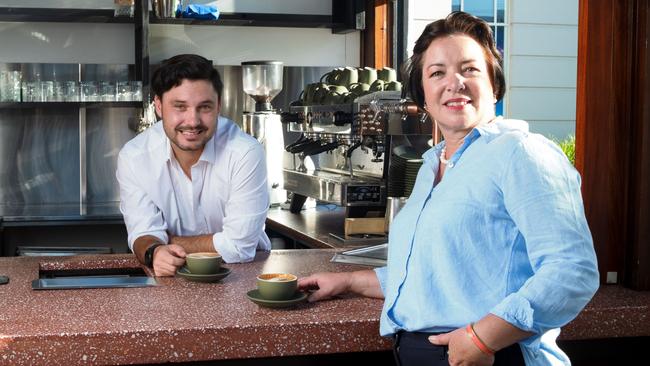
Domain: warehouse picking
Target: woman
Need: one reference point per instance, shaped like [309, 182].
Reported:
[494, 253]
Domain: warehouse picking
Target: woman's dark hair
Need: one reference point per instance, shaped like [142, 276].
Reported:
[172, 71]
[455, 23]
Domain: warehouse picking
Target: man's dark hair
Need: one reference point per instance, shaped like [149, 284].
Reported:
[455, 23]
[172, 71]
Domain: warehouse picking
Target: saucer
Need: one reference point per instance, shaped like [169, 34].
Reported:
[185, 273]
[254, 296]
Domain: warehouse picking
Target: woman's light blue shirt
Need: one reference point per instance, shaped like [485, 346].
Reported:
[504, 232]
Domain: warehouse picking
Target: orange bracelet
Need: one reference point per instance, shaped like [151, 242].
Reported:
[478, 341]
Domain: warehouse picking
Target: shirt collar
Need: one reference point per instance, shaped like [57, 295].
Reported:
[488, 131]
[499, 126]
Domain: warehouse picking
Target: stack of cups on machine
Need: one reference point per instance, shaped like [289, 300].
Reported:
[345, 84]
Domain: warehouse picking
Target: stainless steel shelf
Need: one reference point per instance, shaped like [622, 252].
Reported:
[256, 19]
[31, 105]
[61, 15]
[60, 214]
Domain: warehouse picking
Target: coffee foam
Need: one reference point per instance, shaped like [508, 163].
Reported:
[277, 277]
[203, 255]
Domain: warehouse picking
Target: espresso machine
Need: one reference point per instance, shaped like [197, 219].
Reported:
[262, 81]
[361, 152]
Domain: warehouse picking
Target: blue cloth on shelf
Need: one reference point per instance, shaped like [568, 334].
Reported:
[195, 11]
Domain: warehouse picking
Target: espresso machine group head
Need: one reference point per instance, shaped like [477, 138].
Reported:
[262, 81]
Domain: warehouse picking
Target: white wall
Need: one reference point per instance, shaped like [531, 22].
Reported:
[227, 45]
[542, 64]
[114, 43]
[421, 13]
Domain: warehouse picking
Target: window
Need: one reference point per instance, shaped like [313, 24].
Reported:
[493, 12]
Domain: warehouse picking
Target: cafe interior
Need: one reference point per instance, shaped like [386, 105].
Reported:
[342, 160]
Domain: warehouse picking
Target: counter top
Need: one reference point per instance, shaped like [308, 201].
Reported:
[177, 321]
[313, 226]
[186, 321]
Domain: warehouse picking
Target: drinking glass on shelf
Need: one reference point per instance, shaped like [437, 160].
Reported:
[47, 91]
[71, 91]
[136, 90]
[123, 91]
[10, 86]
[32, 91]
[107, 91]
[4, 86]
[59, 92]
[89, 91]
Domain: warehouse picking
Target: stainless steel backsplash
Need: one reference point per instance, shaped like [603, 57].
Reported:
[61, 161]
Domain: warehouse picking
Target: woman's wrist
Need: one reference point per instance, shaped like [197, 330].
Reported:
[478, 342]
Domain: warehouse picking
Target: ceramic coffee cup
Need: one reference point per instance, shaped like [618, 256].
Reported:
[378, 85]
[320, 93]
[348, 97]
[338, 88]
[203, 262]
[359, 88]
[387, 74]
[277, 286]
[348, 75]
[367, 75]
[308, 93]
[393, 86]
[332, 98]
[332, 77]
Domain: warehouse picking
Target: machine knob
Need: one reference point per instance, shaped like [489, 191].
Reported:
[288, 117]
[342, 118]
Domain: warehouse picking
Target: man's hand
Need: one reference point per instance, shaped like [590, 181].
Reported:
[167, 259]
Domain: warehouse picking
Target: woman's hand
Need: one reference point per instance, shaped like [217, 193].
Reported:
[462, 351]
[326, 284]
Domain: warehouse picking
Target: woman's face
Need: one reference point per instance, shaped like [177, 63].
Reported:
[456, 83]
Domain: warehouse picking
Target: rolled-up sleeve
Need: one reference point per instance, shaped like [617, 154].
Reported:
[382, 274]
[246, 208]
[542, 194]
[141, 215]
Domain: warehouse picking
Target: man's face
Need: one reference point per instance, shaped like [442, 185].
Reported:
[189, 113]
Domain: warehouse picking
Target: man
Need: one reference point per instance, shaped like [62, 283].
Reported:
[195, 182]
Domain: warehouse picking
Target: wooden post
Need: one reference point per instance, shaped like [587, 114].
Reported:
[613, 134]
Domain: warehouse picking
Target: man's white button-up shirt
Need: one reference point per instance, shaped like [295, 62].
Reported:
[227, 195]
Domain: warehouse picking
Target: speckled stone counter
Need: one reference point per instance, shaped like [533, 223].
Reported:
[180, 321]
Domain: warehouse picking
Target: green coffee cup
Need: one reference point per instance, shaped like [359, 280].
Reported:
[320, 93]
[387, 74]
[359, 88]
[348, 75]
[367, 75]
[203, 262]
[378, 85]
[393, 86]
[277, 286]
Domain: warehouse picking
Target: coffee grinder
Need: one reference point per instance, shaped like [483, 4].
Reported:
[263, 81]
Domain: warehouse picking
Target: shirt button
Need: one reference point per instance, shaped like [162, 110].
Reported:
[450, 165]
